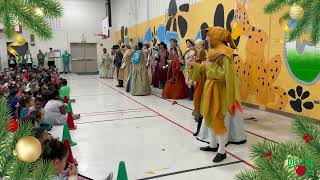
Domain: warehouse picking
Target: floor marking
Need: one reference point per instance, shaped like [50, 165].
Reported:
[120, 112]
[192, 110]
[112, 111]
[91, 95]
[231, 154]
[191, 170]
[118, 119]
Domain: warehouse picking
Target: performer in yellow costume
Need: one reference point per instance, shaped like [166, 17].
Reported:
[221, 88]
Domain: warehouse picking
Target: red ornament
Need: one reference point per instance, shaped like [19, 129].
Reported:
[268, 155]
[307, 138]
[301, 170]
[12, 125]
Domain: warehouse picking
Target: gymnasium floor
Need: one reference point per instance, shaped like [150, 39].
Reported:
[152, 136]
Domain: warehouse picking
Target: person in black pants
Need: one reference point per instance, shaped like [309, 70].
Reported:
[12, 61]
[117, 62]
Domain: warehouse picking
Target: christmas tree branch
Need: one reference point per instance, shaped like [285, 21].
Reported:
[247, 175]
[20, 170]
[275, 6]
[315, 33]
[303, 127]
[51, 8]
[27, 17]
[8, 20]
[43, 170]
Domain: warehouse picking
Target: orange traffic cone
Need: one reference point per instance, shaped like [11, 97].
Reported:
[70, 122]
[70, 159]
[65, 100]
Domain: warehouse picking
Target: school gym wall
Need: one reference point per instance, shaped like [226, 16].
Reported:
[274, 74]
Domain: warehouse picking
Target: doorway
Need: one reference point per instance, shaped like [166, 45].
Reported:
[84, 57]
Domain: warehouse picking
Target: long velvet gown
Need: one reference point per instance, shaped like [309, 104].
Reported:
[139, 82]
[176, 87]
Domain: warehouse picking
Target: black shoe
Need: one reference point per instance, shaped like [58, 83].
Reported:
[195, 134]
[208, 148]
[198, 127]
[118, 86]
[219, 157]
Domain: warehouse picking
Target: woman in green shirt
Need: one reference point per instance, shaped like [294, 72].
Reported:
[66, 62]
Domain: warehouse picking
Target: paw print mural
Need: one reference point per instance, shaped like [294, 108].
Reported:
[177, 23]
[299, 99]
[219, 20]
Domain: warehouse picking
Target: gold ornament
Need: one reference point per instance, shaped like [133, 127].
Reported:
[296, 12]
[39, 12]
[28, 149]
[284, 24]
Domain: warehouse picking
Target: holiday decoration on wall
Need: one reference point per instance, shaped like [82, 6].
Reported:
[291, 159]
[20, 43]
[32, 15]
[20, 151]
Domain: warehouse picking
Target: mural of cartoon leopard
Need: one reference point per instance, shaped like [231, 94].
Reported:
[257, 74]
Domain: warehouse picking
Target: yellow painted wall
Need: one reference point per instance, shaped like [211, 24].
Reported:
[272, 55]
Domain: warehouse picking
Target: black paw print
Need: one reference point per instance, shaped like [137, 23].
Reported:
[298, 97]
[182, 23]
[219, 20]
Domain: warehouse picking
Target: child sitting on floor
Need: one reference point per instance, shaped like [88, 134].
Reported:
[64, 90]
[38, 105]
[23, 106]
[55, 110]
[56, 151]
[42, 135]
[35, 117]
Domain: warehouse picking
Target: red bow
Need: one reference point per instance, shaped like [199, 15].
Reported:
[235, 106]
[268, 155]
[307, 138]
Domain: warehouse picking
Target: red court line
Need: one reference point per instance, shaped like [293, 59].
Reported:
[112, 111]
[120, 112]
[175, 123]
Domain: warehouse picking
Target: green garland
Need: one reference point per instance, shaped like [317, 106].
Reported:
[308, 23]
[24, 12]
[288, 160]
[10, 166]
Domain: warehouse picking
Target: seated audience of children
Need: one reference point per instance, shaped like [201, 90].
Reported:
[33, 96]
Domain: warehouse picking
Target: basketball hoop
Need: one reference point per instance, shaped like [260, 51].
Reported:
[103, 36]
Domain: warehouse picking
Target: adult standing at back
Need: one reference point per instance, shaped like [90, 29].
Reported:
[27, 59]
[105, 64]
[40, 57]
[51, 61]
[66, 62]
[117, 63]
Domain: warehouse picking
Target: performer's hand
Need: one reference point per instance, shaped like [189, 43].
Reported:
[192, 63]
[72, 170]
